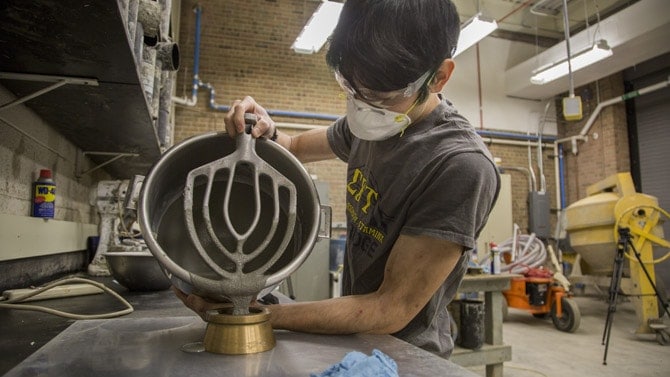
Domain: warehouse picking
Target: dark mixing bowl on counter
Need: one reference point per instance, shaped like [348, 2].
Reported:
[137, 270]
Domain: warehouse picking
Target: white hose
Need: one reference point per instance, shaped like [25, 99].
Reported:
[532, 254]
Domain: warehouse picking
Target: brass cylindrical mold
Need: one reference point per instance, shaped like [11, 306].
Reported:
[238, 334]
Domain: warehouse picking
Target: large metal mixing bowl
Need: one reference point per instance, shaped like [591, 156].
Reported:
[163, 222]
[137, 270]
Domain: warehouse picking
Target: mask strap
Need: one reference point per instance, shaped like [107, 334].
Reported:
[400, 117]
[416, 102]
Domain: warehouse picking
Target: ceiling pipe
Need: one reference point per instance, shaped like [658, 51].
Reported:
[479, 89]
[197, 83]
[503, 18]
[566, 29]
[532, 186]
[631, 41]
[625, 97]
[582, 136]
[514, 136]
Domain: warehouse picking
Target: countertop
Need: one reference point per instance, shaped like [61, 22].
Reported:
[24, 332]
[147, 342]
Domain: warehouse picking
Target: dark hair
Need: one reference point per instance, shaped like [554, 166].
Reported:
[384, 45]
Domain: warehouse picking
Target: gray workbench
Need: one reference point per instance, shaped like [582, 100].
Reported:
[148, 343]
[151, 347]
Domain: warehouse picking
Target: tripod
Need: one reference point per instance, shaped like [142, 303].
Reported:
[615, 284]
[624, 242]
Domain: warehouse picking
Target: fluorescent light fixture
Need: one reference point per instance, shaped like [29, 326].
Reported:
[322, 23]
[599, 51]
[319, 27]
[473, 31]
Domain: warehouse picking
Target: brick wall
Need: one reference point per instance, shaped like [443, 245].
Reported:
[517, 156]
[245, 50]
[39, 146]
[606, 151]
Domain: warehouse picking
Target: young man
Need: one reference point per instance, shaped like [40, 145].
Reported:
[421, 183]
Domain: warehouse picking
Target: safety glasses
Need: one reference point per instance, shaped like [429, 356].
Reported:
[382, 99]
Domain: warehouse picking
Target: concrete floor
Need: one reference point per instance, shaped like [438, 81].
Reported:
[539, 349]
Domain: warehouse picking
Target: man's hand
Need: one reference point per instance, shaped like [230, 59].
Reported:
[197, 303]
[234, 119]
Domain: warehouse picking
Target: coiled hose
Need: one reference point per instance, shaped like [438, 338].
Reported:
[529, 253]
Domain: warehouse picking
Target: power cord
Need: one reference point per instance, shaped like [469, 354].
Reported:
[15, 302]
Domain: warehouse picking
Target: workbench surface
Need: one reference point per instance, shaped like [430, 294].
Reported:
[148, 343]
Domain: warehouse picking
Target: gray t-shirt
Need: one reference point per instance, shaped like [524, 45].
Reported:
[438, 179]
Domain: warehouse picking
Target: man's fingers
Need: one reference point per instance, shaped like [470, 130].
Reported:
[181, 295]
[234, 119]
[198, 304]
[233, 127]
[193, 302]
[264, 127]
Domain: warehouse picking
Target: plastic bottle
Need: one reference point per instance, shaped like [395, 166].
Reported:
[44, 196]
[495, 259]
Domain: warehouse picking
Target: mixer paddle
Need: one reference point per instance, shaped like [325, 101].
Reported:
[243, 282]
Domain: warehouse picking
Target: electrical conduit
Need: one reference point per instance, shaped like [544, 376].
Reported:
[558, 162]
[197, 84]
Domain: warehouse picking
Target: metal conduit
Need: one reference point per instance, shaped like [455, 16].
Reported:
[557, 143]
[582, 136]
[197, 83]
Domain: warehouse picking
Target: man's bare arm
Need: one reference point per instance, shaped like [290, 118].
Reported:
[416, 268]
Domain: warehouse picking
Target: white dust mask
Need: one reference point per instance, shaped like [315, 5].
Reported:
[373, 124]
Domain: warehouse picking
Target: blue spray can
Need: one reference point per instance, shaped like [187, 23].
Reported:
[44, 195]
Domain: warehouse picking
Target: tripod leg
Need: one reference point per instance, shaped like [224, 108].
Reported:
[611, 301]
[614, 287]
[614, 294]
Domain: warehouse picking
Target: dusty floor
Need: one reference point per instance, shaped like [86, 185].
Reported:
[539, 349]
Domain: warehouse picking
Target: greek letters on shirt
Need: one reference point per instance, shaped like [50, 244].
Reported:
[359, 189]
[364, 226]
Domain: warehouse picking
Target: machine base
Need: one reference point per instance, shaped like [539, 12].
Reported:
[238, 334]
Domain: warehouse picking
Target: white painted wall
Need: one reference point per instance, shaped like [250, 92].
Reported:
[24, 236]
[499, 112]
[636, 34]
[21, 158]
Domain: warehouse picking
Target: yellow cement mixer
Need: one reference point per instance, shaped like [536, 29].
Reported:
[593, 224]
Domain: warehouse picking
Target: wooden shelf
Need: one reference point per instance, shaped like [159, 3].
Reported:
[89, 40]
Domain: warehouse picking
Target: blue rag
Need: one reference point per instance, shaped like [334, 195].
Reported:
[359, 364]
